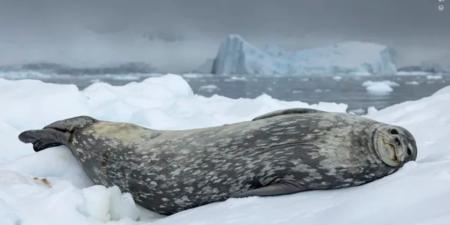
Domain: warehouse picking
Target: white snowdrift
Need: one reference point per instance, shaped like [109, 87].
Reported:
[49, 187]
[237, 56]
[379, 87]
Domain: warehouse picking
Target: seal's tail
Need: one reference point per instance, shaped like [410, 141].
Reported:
[55, 134]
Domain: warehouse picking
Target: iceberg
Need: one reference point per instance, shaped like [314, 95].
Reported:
[237, 56]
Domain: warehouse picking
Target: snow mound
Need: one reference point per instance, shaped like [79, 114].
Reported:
[379, 87]
[236, 56]
[50, 188]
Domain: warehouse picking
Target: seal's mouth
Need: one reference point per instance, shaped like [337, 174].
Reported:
[393, 145]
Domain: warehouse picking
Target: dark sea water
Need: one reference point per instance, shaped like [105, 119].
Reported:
[347, 90]
[310, 89]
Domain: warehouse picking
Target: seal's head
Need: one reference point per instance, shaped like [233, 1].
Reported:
[394, 145]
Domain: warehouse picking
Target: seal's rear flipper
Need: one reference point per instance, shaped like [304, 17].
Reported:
[55, 134]
[44, 138]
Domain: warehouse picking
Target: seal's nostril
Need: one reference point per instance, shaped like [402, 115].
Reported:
[397, 141]
[393, 131]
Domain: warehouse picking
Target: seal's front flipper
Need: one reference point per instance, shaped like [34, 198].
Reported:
[274, 189]
[286, 112]
[44, 138]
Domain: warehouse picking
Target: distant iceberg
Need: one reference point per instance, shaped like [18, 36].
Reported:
[236, 56]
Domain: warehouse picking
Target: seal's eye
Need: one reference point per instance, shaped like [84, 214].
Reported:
[408, 150]
[393, 131]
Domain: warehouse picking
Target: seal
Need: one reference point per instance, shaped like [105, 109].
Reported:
[282, 152]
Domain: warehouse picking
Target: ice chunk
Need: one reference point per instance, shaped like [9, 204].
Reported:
[379, 87]
[412, 82]
[337, 78]
[434, 77]
[209, 88]
[237, 56]
[107, 204]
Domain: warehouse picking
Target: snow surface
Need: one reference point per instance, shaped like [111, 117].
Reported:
[50, 188]
[379, 87]
[236, 56]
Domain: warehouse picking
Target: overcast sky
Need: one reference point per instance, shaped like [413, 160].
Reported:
[179, 35]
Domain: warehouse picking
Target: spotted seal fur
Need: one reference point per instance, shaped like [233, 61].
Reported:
[278, 153]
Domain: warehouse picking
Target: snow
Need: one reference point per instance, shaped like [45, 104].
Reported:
[236, 56]
[50, 188]
[379, 87]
